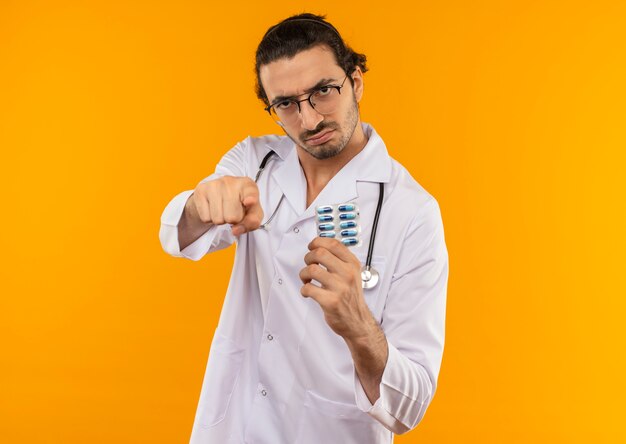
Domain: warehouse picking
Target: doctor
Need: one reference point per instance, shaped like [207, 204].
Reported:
[303, 353]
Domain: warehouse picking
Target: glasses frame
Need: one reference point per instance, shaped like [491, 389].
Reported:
[307, 99]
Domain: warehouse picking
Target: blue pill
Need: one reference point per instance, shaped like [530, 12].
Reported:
[347, 207]
[346, 233]
[327, 234]
[324, 209]
[325, 218]
[326, 227]
[349, 224]
[345, 216]
[349, 241]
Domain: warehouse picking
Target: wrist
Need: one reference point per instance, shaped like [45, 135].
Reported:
[191, 215]
[190, 207]
[369, 335]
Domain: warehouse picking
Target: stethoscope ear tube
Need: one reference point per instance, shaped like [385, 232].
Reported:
[262, 166]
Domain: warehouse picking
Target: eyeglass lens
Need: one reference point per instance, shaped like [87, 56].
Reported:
[324, 101]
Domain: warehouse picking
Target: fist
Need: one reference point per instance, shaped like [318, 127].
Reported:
[229, 200]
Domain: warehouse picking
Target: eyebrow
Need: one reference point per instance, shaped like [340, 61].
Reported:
[318, 85]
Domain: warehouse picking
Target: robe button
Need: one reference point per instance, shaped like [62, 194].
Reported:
[296, 230]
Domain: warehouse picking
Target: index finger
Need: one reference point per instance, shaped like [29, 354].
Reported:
[249, 194]
[253, 212]
[335, 247]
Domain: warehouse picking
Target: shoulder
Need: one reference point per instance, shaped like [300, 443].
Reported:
[249, 152]
[416, 215]
[262, 144]
[406, 192]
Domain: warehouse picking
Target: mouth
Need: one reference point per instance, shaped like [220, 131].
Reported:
[320, 138]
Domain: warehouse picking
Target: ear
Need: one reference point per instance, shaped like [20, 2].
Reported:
[357, 78]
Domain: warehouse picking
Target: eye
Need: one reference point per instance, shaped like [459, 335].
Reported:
[324, 91]
[284, 105]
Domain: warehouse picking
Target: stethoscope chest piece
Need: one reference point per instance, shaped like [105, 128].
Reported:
[369, 277]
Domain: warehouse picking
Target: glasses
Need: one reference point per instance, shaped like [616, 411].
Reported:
[324, 100]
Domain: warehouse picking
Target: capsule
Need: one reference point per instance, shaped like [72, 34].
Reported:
[324, 209]
[348, 241]
[326, 227]
[346, 216]
[325, 218]
[347, 233]
[346, 207]
[348, 224]
[327, 234]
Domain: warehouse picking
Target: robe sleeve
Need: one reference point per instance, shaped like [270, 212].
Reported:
[414, 324]
[217, 236]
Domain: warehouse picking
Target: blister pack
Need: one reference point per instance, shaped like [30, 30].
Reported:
[340, 221]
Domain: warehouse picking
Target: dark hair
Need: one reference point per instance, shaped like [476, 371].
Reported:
[299, 33]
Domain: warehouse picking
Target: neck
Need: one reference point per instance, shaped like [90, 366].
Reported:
[318, 172]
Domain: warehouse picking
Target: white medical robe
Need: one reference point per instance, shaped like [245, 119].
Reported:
[276, 372]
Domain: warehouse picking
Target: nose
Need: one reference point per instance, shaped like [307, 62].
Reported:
[309, 116]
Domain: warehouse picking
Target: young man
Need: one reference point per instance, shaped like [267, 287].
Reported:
[313, 345]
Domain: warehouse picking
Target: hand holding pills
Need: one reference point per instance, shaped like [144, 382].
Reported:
[338, 270]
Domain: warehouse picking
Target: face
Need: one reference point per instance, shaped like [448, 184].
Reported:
[321, 135]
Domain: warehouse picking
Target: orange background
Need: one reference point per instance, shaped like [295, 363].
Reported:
[512, 114]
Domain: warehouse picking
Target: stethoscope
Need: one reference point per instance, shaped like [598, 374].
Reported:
[369, 275]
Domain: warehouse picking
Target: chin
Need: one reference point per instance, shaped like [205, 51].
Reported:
[324, 152]
[327, 150]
